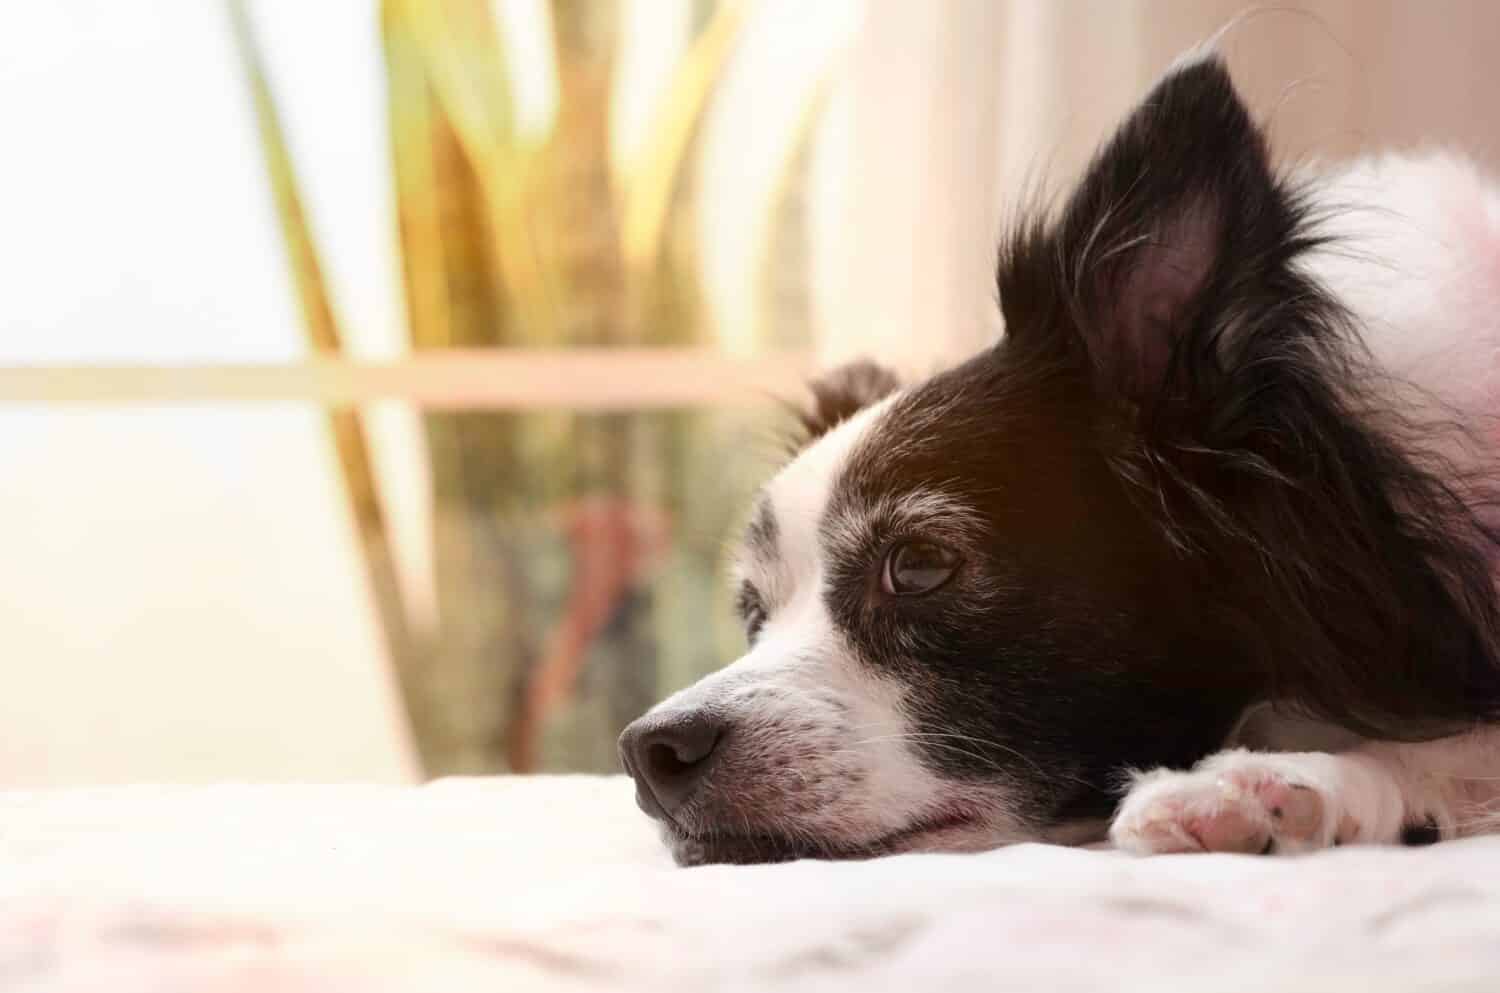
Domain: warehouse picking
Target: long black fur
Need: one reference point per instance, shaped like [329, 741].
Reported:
[1359, 578]
[838, 395]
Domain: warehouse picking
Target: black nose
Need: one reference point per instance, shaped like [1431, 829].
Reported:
[669, 756]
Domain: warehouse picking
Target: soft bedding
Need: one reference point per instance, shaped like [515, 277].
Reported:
[558, 884]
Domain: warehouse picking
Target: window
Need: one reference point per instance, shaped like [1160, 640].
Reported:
[390, 368]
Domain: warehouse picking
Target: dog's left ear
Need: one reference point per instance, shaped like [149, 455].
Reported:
[1177, 218]
[838, 395]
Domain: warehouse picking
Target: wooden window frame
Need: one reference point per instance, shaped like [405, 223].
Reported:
[579, 379]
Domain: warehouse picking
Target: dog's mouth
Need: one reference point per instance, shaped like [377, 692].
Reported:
[943, 832]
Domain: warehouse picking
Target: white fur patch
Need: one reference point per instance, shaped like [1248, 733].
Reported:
[801, 674]
[1416, 260]
[800, 695]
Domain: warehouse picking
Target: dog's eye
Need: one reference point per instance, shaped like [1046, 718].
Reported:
[916, 567]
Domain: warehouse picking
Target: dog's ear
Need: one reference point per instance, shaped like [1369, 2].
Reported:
[838, 395]
[1178, 215]
[1170, 285]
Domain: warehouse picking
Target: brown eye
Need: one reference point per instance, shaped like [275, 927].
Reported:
[916, 567]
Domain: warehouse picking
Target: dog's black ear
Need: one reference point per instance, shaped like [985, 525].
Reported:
[1170, 285]
[839, 394]
[1175, 218]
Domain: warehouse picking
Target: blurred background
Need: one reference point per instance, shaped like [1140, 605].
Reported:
[381, 382]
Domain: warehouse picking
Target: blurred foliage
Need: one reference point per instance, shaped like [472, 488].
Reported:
[578, 557]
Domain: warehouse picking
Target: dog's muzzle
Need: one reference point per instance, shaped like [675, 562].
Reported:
[670, 756]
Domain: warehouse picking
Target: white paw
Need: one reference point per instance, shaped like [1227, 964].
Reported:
[1236, 802]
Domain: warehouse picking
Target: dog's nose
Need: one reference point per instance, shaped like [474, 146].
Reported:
[668, 757]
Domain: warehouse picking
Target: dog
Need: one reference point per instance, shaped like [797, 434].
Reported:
[1200, 556]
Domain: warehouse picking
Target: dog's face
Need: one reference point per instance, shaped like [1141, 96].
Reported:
[954, 615]
[974, 603]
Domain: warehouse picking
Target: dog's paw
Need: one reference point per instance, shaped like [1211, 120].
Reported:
[1235, 802]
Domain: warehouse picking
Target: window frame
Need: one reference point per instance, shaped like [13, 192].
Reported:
[577, 379]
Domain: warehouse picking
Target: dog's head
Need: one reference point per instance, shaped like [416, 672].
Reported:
[973, 602]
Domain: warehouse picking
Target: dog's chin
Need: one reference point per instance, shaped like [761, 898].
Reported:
[958, 833]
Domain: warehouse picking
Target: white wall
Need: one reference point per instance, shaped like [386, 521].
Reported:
[180, 590]
[952, 110]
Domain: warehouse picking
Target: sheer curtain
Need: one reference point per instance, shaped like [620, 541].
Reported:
[950, 111]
